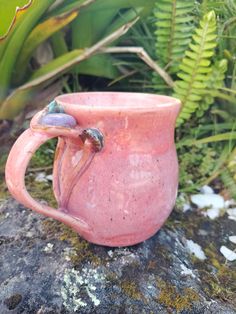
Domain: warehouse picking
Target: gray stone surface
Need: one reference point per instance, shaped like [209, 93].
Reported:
[46, 268]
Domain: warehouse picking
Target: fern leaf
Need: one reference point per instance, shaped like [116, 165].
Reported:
[232, 164]
[174, 26]
[215, 82]
[228, 174]
[229, 182]
[208, 5]
[196, 68]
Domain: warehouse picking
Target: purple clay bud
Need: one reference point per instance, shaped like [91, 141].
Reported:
[58, 119]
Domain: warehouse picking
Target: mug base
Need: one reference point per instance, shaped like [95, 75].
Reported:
[123, 240]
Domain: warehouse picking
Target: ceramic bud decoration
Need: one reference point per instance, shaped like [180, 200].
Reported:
[115, 172]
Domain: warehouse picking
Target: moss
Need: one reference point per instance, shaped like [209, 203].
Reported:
[82, 249]
[41, 190]
[220, 283]
[172, 299]
[42, 158]
[3, 160]
[44, 155]
[112, 278]
[3, 189]
[38, 190]
[130, 288]
[53, 228]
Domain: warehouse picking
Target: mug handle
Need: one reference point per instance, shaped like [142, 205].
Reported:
[19, 158]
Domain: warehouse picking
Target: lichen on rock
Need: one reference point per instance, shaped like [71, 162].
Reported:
[55, 271]
[79, 287]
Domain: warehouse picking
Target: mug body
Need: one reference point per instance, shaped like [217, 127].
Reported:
[129, 188]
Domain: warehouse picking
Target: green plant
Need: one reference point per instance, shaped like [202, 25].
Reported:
[195, 68]
[196, 166]
[203, 69]
[214, 83]
[40, 21]
[227, 172]
[172, 17]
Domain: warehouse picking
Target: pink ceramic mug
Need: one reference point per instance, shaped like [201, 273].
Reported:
[115, 172]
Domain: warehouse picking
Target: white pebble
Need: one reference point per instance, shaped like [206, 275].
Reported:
[212, 213]
[206, 189]
[41, 177]
[232, 217]
[231, 212]
[186, 271]
[230, 203]
[232, 239]
[208, 200]
[196, 249]
[228, 254]
[186, 207]
[67, 258]
[48, 248]
[49, 177]
[110, 253]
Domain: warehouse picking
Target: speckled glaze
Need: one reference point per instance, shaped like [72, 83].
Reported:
[116, 195]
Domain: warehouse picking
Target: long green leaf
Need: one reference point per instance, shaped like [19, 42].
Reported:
[58, 42]
[57, 63]
[86, 30]
[228, 136]
[13, 48]
[52, 70]
[103, 5]
[99, 65]
[9, 13]
[39, 34]
[15, 22]
[66, 6]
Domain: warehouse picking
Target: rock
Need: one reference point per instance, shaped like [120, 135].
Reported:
[233, 239]
[208, 200]
[41, 177]
[47, 268]
[228, 254]
[212, 213]
[195, 249]
[206, 189]
[231, 212]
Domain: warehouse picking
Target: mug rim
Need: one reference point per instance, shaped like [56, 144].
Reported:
[153, 101]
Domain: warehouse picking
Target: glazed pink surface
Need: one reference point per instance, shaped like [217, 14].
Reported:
[121, 195]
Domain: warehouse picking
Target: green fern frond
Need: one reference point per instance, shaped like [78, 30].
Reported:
[228, 174]
[216, 81]
[232, 164]
[208, 5]
[174, 26]
[229, 182]
[195, 69]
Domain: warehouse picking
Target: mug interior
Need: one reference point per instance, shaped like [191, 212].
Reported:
[118, 100]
